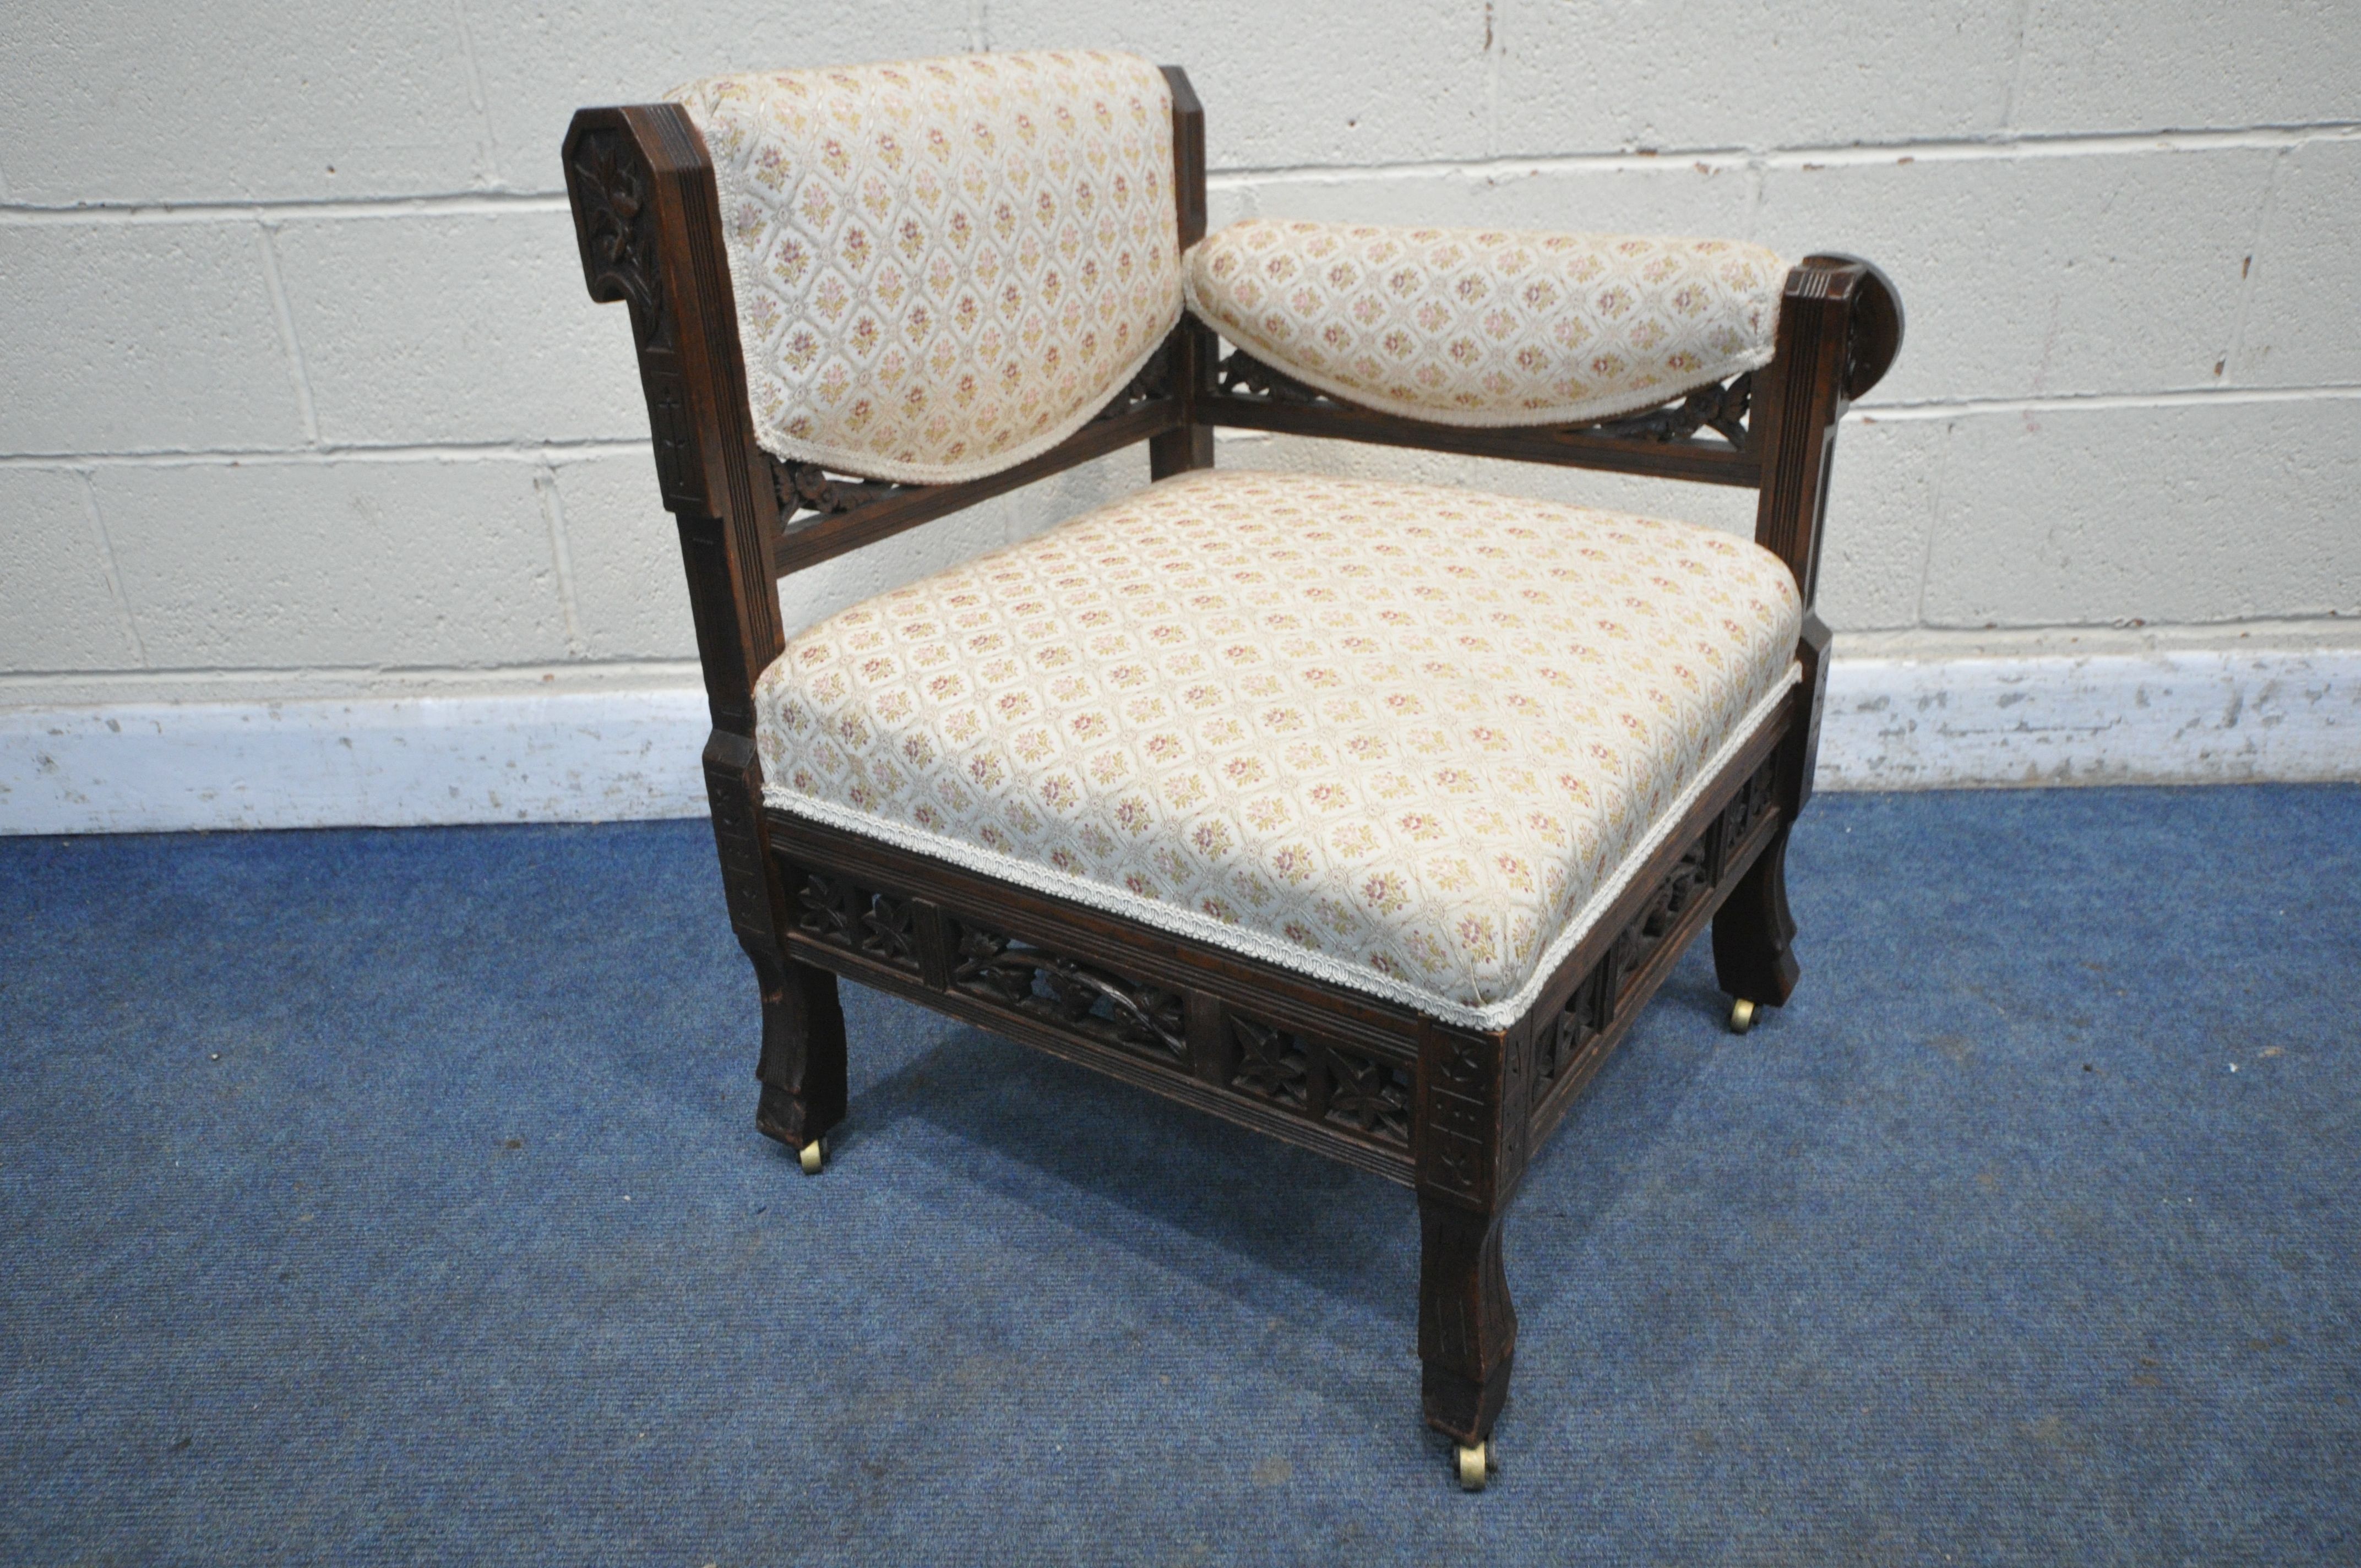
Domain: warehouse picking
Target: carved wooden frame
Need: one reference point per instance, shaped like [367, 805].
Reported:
[1454, 1113]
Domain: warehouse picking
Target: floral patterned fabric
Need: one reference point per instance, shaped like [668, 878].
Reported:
[943, 267]
[1409, 739]
[1487, 327]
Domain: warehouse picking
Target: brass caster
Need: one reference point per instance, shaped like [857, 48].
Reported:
[1742, 1016]
[1475, 1466]
[811, 1156]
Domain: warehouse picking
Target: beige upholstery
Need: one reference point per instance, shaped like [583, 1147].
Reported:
[1487, 327]
[943, 267]
[1410, 739]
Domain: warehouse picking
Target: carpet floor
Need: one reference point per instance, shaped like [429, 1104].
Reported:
[395, 1197]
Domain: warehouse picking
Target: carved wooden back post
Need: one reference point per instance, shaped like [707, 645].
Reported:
[647, 217]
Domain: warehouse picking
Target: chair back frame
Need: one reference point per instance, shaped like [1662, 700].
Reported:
[1453, 1112]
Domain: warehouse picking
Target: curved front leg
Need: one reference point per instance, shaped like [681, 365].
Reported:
[1754, 934]
[802, 1068]
[1471, 1137]
[1466, 1324]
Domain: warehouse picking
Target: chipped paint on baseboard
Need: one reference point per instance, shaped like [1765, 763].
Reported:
[604, 755]
[392, 761]
[2184, 716]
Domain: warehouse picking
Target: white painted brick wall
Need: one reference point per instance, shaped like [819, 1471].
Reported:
[467, 326]
[259, 565]
[140, 338]
[304, 398]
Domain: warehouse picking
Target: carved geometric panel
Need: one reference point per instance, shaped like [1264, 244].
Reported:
[1358, 1092]
[737, 833]
[1272, 1064]
[1688, 880]
[860, 920]
[1460, 1119]
[1749, 806]
[1369, 1096]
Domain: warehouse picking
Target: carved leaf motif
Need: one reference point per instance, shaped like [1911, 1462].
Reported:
[986, 968]
[808, 486]
[890, 930]
[1576, 1026]
[858, 919]
[1153, 382]
[619, 221]
[1722, 407]
[1271, 1063]
[1749, 806]
[1371, 1094]
[1242, 373]
[1093, 1002]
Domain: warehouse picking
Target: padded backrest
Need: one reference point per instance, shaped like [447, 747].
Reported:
[943, 267]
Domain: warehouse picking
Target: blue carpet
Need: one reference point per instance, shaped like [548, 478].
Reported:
[395, 1196]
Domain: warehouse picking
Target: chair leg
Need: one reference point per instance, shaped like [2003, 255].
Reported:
[1752, 932]
[1466, 1328]
[802, 1066]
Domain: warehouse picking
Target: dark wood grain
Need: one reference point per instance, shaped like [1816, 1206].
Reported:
[1190, 444]
[1456, 1113]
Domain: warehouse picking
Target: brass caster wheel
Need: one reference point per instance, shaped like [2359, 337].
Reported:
[1742, 1016]
[811, 1156]
[1475, 1466]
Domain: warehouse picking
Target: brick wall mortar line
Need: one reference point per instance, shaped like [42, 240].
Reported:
[554, 452]
[2063, 143]
[1927, 150]
[559, 453]
[2069, 402]
[341, 210]
[1495, 28]
[147, 680]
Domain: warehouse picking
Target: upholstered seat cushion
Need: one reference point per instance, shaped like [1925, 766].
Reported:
[1486, 326]
[1409, 739]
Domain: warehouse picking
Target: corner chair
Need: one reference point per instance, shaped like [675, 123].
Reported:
[1365, 816]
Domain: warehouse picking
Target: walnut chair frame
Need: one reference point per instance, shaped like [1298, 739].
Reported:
[1454, 1113]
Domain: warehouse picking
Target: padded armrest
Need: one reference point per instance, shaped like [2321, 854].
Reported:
[1487, 326]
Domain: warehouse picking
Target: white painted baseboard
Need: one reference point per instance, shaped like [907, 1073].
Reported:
[589, 756]
[2181, 717]
[2188, 716]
